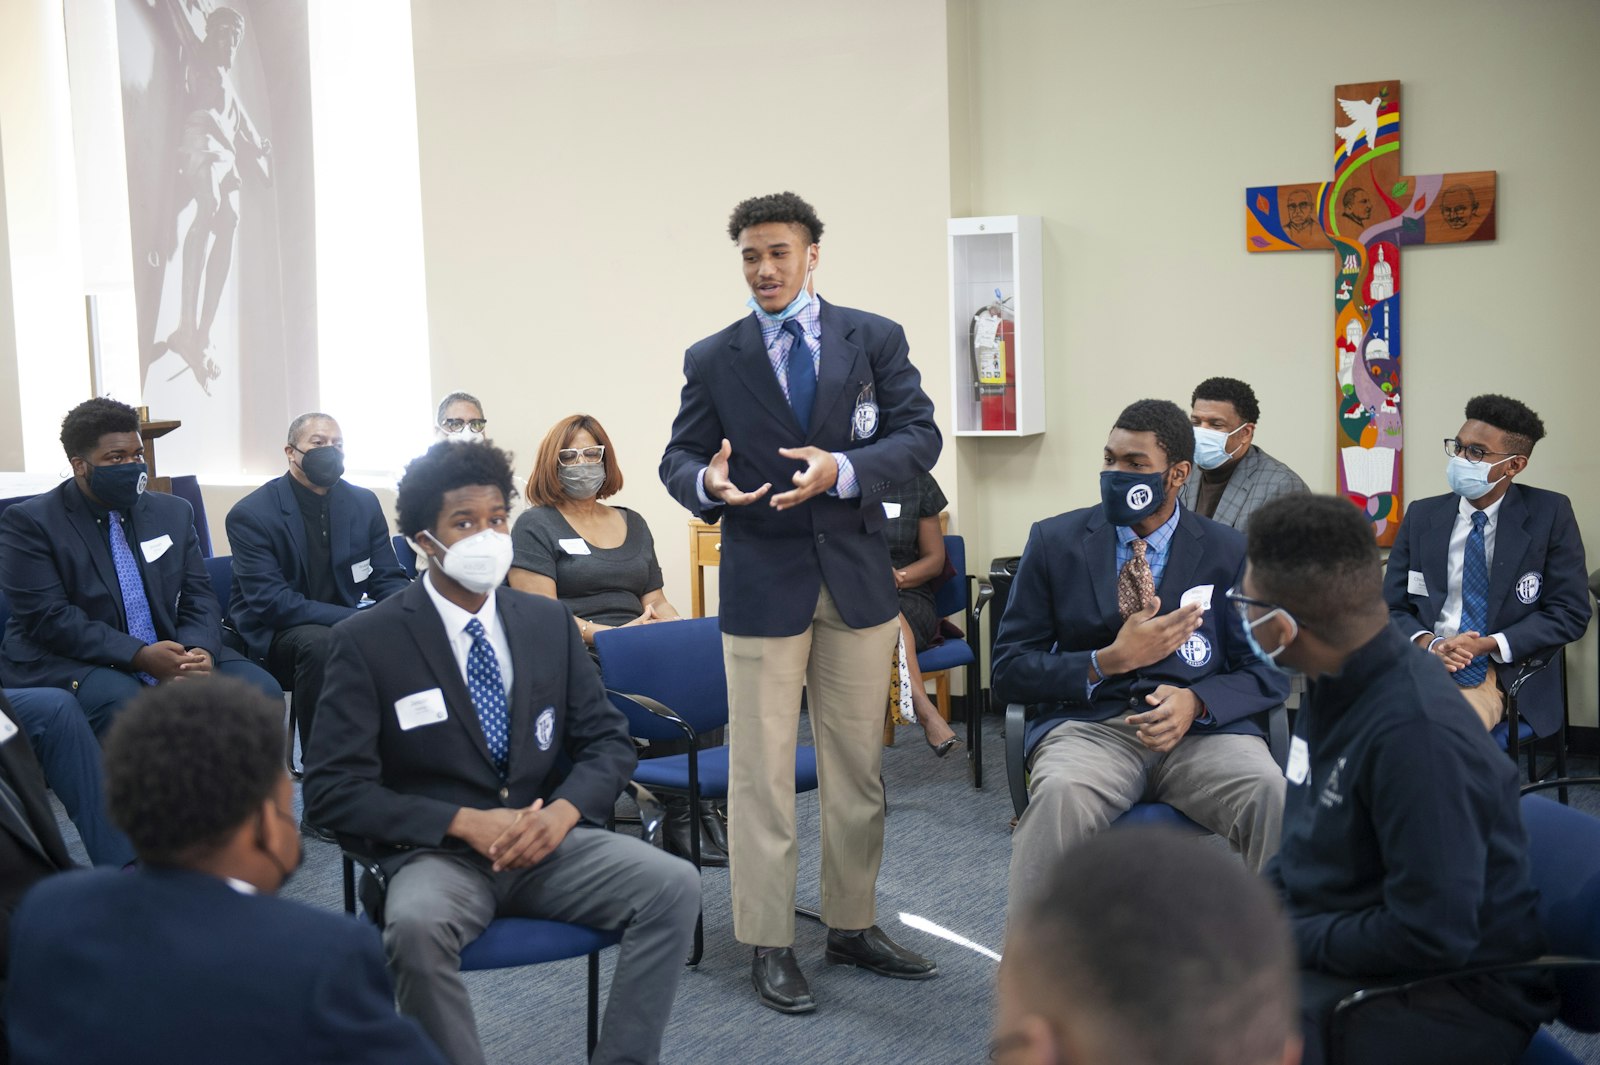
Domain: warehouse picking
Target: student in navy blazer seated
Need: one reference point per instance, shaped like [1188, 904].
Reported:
[1492, 571]
[824, 402]
[307, 548]
[108, 591]
[1143, 684]
[465, 734]
[192, 958]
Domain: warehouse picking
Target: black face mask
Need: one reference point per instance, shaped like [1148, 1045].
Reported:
[119, 486]
[300, 848]
[323, 466]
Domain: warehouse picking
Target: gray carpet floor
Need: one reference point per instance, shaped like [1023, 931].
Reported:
[945, 858]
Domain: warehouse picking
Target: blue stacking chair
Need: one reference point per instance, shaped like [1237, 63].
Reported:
[406, 555]
[956, 597]
[1512, 733]
[1564, 862]
[669, 681]
[508, 942]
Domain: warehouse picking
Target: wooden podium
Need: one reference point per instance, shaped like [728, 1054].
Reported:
[149, 433]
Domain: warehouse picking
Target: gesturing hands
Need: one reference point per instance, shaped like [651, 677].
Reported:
[1175, 709]
[821, 473]
[719, 485]
[1145, 639]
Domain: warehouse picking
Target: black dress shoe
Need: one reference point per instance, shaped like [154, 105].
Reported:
[316, 831]
[675, 833]
[780, 983]
[875, 952]
[713, 826]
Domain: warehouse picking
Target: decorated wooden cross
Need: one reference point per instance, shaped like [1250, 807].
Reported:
[1365, 215]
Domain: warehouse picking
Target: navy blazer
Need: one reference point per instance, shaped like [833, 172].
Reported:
[267, 536]
[774, 562]
[169, 965]
[366, 776]
[1063, 605]
[66, 604]
[1538, 582]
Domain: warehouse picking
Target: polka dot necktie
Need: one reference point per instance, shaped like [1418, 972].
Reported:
[1474, 599]
[1136, 586]
[802, 375]
[135, 604]
[488, 694]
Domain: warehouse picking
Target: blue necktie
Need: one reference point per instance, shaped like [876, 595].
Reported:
[802, 375]
[134, 603]
[488, 695]
[1474, 599]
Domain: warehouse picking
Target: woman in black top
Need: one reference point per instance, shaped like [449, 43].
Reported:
[916, 550]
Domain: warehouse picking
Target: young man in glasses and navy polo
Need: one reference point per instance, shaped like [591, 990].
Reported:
[1492, 571]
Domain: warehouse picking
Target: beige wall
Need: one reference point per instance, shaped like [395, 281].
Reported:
[1133, 128]
[579, 162]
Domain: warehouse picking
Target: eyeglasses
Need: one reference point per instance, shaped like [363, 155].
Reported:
[1454, 447]
[572, 456]
[1242, 604]
[455, 425]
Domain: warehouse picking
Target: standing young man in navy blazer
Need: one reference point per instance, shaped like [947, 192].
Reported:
[108, 591]
[1492, 571]
[1143, 685]
[192, 958]
[825, 399]
[306, 548]
[466, 735]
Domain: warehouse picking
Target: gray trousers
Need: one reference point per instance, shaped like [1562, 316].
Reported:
[1086, 774]
[438, 903]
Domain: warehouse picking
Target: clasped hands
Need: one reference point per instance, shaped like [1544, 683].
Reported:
[1457, 652]
[169, 660]
[515, 839]
[1144, 640]
[820, 474]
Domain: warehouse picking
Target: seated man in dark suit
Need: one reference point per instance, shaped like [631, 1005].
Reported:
[1144, 689]
[464, 732]
[108, 591]
[1492, 571]
[1403, 850]
[307, 548]
[192, 958]
[1147, 948]
[31, 847]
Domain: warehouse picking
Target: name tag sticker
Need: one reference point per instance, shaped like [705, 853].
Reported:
[1299, 761]
[154, 549]
[361, 570]
[8, 728]
[577, 545]
[891, 510]
[1416, 584]
[423, 708]
[1200, 593]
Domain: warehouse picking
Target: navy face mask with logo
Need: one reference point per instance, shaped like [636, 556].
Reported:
[119, 486]
[1128, 498]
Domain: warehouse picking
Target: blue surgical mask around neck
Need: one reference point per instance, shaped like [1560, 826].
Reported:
[801, 301]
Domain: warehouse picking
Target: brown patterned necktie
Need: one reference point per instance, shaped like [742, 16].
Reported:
[1136, 587]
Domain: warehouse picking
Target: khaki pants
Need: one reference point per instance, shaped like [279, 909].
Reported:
[842, 669]
[1486, 699]
[1085, 774]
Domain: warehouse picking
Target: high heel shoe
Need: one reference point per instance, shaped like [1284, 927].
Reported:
[942, 749]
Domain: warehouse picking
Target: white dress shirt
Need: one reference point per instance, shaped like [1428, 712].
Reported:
[455, 626]
[1449, 622]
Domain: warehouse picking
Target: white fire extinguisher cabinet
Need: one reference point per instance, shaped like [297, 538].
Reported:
[996, 326]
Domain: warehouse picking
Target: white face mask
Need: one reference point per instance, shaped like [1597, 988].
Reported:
[479, 563]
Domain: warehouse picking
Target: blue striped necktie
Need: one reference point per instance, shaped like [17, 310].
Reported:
[802, 375]
[1474, 599]
[135, 605]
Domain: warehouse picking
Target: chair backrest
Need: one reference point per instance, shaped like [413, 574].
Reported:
[1564, 852]
[187, 487]
[406, 555]
[676, 663]
[952, 598]
[220, 569]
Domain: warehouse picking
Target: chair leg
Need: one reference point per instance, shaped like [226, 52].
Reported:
[975, 725]
[288, 749]
[941, 693]
[888, 728]
[594, 1003]
[1561, 760]
[349, 885]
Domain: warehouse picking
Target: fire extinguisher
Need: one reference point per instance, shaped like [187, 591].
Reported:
[994, 364]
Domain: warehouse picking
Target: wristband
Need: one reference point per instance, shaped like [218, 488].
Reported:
[1435, 642]
[1094, 663]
